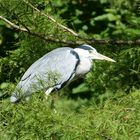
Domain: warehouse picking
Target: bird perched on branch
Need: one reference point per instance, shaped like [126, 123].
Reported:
[55, 69]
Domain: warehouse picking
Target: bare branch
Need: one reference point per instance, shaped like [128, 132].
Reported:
[52, 19]
[72, 43]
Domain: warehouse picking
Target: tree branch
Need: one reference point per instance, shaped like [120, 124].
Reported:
[75, 42]
[13, 25]
[51, 19]
[114, 42]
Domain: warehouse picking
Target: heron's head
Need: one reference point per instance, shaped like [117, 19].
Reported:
[90, 52]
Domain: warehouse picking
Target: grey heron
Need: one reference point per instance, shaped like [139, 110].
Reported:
[55, 69]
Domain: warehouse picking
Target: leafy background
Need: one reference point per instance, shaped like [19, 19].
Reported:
[103, 105]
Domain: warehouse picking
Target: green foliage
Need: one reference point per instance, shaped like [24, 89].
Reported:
[108, 17]
[117, 117]
[99, 19]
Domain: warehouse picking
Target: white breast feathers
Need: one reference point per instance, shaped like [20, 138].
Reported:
[84, 66]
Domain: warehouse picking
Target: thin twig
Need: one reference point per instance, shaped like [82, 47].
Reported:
[52, 19]
[13, 25]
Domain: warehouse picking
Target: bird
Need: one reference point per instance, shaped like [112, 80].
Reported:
[56, 69]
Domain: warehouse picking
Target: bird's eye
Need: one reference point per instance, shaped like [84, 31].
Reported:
[90, 51]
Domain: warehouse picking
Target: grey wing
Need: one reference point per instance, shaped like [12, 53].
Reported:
[52, 70]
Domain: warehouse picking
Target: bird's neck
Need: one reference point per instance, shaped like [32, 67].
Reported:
[85, 62]
[84, 66]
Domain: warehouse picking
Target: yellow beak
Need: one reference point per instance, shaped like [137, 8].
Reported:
[98, 56]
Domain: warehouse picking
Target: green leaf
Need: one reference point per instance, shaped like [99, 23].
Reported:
[81, 88]
[4, 85]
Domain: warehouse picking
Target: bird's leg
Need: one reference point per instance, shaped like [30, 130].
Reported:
[53, 101]
[48, 92]
[52, 106]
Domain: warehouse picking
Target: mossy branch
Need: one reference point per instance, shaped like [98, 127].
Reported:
[72, 42]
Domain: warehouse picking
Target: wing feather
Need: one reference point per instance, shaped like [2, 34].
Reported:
[59, 61]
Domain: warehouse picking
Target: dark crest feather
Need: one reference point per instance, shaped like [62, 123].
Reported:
[85, 47]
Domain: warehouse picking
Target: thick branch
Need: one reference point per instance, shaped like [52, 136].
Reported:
[73, 43]
[114, 42]
[52, 19]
